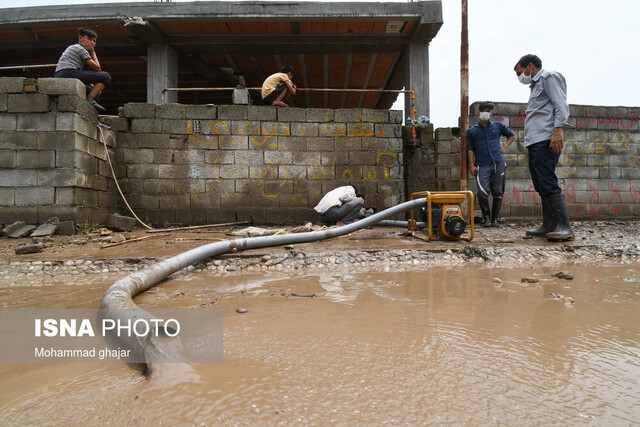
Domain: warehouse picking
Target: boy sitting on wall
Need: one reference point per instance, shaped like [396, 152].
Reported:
[71, 64]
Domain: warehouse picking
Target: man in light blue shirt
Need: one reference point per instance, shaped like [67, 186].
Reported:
[546, 115]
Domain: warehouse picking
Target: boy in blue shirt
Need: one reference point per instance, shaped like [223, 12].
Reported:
[486, 162]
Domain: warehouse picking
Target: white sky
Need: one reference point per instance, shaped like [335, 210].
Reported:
[594, 43]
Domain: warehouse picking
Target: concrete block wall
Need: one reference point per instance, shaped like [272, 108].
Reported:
[51, 162]
[599, 169]
[194, 164]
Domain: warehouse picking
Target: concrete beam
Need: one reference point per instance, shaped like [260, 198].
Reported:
[417, 78]
[162, 72]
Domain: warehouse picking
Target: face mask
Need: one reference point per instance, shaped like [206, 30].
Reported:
[525, 80]
[484, 116]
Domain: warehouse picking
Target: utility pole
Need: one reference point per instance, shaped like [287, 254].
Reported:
[464, 98]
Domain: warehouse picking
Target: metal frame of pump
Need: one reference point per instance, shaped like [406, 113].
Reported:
[443, 198]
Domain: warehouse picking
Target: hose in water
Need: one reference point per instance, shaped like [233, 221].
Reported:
[118, 304]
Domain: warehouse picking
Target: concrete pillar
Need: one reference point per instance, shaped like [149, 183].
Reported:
[162, 72]
[417, 78]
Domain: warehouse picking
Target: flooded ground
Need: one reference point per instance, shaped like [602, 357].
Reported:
[384, 329]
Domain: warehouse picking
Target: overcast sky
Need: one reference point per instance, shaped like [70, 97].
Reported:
[594, 43]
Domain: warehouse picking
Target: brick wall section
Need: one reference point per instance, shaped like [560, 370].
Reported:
[599, 169]
[192, 164]
[51, 162]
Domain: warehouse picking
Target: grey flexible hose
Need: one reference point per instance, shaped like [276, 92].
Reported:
[118, 304]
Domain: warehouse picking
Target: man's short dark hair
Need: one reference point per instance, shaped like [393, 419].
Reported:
[525, 60]
[486, 104]
[87, 32]
[286, 69]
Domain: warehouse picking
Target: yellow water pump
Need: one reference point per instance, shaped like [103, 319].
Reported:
[444, 215]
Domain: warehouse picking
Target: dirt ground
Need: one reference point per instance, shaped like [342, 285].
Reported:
[93, 251]
[371, 328]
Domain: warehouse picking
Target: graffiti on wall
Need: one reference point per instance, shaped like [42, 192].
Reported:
[591, 118]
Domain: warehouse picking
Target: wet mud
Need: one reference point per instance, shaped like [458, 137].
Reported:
[373, 328]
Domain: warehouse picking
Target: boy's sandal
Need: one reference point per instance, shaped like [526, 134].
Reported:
[279, 104]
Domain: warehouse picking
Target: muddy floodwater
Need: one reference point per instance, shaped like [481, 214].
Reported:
[459, 341]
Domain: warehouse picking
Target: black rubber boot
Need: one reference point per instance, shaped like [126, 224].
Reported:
[562, 231]
[495, 211]
[486, 212]
[548, 220]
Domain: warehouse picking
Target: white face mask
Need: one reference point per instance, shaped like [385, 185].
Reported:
[485, 116]
[525, 80]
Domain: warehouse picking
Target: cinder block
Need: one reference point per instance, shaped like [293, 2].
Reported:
[65, 228]
[34, 196]
[307, 158]
[274, 129]
[304, 129]
[75, 123]
[220, 186]
[77, 104]
[293, 201]
[233, 112]
[175, 126]
[201, 171]
[395, 116]
[201, 112]
[216, 127]
[137, 155]
[278, 157]
[139, 110]
[61, 178]
[320, 144]
[292, 172]
[291, 114]
[142, 171]
[376, 116]
[7, 159]
[60, 86]
[245, 127]
[262, 113]
[234, 171]
[249, 157]
[36, 122]
[147, 125]
[278, 186]
[152, 140]
[35, 159]
[119, 124]
[121, 223]
[320, 115]
[233, 142]
[376, 144]
[171, 111]
[188, 156]
[172, 171]
[27, 103]
[12, 84]
[3, 102]
[388, 130]
[9, 214]
[220, 215]
[330, 158]
[18, 178]
[348, 115]
[264, 200]
[240, 97]
[7, 196]
[444, 134]
[361, 158]
[219, 157]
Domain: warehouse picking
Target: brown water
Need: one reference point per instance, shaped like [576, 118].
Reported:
[439, 346]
